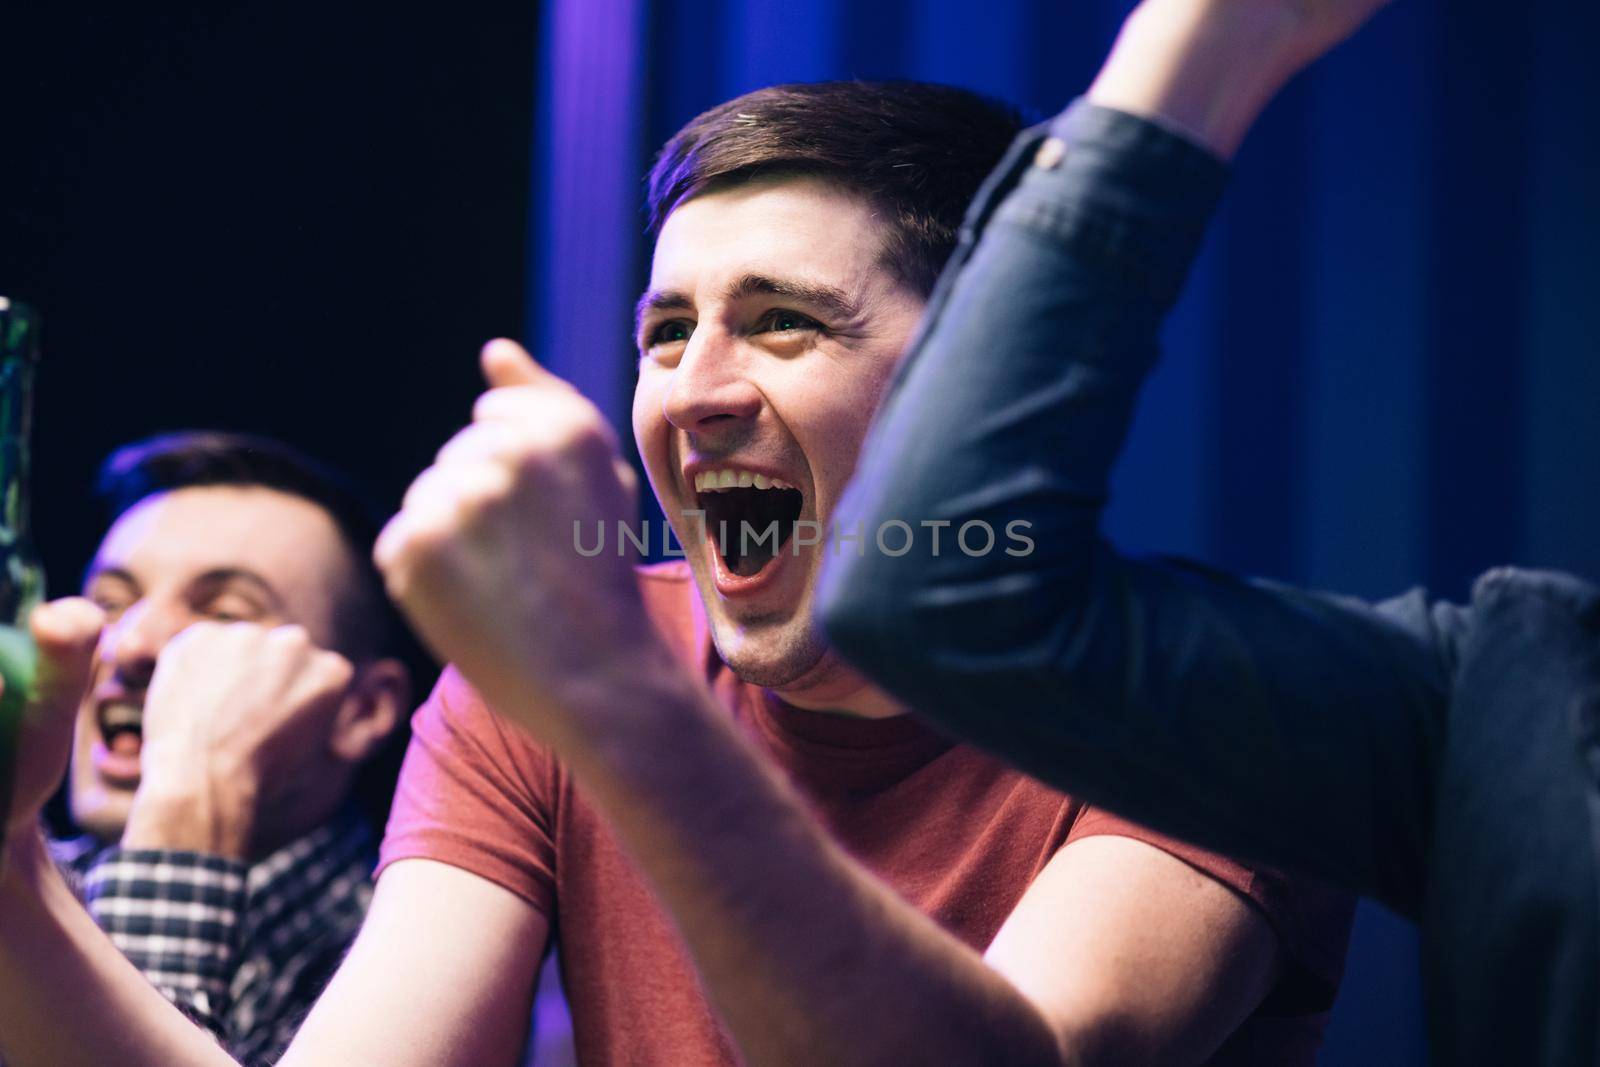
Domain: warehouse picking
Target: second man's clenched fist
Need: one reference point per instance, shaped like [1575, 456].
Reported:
[241, 745]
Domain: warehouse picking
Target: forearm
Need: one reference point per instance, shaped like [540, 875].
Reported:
[806, 956]
[1209, 67]
[1215, 709]
[51, 955]
[1205, 68]
[1063, 291]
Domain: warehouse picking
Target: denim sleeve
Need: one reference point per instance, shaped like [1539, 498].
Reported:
[1276, 725]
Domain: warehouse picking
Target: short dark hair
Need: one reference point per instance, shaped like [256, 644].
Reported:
[365, 626]
[919, 150]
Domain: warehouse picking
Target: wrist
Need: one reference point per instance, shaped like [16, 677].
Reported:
[191, 816]
[1207, 68]
[608, 699]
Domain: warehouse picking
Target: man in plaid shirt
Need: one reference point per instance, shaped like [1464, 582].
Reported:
[215, 752]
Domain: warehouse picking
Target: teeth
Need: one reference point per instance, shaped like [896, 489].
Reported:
[715, 481]
[116, 716]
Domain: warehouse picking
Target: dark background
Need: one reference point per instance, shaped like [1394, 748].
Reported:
[290, 219]
[278, 217]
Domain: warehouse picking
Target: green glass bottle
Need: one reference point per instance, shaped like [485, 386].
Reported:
[21, 576]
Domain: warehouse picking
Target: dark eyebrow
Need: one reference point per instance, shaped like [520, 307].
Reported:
[94, 572]
[659, 300]
[832, 302]
[225, 575]
[217, 576]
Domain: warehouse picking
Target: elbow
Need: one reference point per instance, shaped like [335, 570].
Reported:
[864, 611]
[876, 571]
[885, 618]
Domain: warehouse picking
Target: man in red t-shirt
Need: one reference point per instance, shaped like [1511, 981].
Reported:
[745, 850]
[949, 829]
[738, 842]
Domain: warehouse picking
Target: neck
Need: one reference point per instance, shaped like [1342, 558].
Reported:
[837, 690]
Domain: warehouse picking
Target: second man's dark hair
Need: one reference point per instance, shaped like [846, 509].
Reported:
[366, 625]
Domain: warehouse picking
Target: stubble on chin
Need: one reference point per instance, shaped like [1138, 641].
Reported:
[773, 660]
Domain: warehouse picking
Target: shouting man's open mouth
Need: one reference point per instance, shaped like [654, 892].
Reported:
[116, 757]
[749, 518]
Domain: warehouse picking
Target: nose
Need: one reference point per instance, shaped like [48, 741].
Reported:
[131, 644]
[710, 389]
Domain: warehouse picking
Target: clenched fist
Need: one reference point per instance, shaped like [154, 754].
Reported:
[242, 750]
[482, 556]
[64, 634]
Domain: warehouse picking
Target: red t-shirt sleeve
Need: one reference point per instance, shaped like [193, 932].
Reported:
[1312, 922]
[476, 794]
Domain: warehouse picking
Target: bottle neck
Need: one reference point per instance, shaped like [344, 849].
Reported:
[16, 403]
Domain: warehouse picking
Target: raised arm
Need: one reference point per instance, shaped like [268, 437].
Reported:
[442, 974]
[1209, 67]
[1254, 719]
[1118, 953]
[51, 952]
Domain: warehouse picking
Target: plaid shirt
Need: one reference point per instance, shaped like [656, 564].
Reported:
[243, 950]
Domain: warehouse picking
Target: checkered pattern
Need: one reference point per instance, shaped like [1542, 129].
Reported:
[244, 951]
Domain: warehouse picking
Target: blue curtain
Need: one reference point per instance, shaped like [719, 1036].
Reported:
[1385, 371]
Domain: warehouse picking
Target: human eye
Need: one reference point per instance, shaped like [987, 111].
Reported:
[671, 332]
[113, 604]
[111, 596]
[231, 607]
[780, 320]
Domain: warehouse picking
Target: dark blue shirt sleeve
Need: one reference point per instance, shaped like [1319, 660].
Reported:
[1277, 725]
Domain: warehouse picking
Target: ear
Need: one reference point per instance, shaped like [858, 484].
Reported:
[379, 694]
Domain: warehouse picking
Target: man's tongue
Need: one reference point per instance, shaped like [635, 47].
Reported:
[124, 743]
[750, 526]
[745, 564]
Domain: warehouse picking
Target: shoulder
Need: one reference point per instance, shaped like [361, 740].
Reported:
[457, 728]
[668, 578]
[1494, 588]
[1310, 921]
[1497, 596]
[673, 604]
[670, 600]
